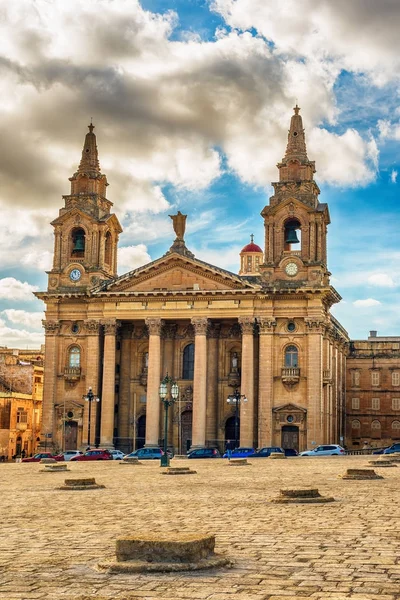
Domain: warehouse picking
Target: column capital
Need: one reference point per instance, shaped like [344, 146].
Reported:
[51, 327]
[110, 327]
[246, 325]
[91, 327]
[266, 324]
[154, 326]
[200, 325]
[315, 325]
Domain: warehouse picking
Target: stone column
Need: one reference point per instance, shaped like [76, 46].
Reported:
[153, 383]
[52, 330]
[247, 382]
[199, 382]
[315, 396]
[168, 337]
[266, 381]
[108, 388]
[57, 248]
[92, 331]
[212, 382]
[124, 387]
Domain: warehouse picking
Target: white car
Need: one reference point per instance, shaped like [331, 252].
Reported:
[117, 454]
[68, 454]
[326, 450]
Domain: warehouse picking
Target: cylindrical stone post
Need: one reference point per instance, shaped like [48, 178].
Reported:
[199, 382]
[266, 381]
[108, 390]
[247, 383]
[153, 383]
[92, 331]
[52, 329]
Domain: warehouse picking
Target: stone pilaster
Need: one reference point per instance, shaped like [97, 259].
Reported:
[92, 331]
[124, 387]
[153, 383]
[108, 388]
[199, 382]
[52, 330]
[266, 381]
[57, 248]
[247, 382]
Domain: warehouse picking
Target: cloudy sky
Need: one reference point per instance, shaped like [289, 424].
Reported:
[192, 100]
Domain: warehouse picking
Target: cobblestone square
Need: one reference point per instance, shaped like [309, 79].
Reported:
[52, 540]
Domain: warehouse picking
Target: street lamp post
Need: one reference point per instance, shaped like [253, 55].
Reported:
[174, 392]
[90, 397]
[236, 398]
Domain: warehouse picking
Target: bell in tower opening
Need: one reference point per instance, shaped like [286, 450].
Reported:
[291, 228]
[78, 242]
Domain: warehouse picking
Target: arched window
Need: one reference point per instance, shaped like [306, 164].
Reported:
[292, 233]
[376, 429]
[375, 425]
[291, 356]
[78, 242]
[108, 249]
[355, 424]
[396, 425]
[74, 357]
[188, 362]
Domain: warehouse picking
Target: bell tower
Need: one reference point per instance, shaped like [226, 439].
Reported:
[295, 221]
[86, 232]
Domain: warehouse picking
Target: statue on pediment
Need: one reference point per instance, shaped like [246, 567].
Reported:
[179, 224]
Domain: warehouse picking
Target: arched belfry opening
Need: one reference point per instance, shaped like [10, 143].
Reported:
[78, 242]
[292, 235]
[108, 249]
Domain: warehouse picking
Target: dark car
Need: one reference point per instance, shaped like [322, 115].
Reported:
[204, 453]
[392, 449]
[95, 454]
[38, 457]
[290, 452]
[146, 453]
[239, 453]
[267, 451]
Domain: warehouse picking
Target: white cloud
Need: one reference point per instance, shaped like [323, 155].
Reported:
[388, 130]
[366, 303]
[24, 318]
[12, 289]
[393, 176]
[381, 280]
[19, 338]
[131, 257]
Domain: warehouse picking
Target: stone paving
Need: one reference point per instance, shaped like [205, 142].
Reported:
[51, 540]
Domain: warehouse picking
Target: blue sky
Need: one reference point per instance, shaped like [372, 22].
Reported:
[192, 100]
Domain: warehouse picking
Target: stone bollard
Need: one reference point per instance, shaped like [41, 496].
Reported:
[178, 471]
[50, 468]
[165, 552]
[394, 458]
[180, 456]
[277, 455]
[81, 484]
[47, 461]
[238, 462]
[132, 460]
[359, 474]
[303, 496]
[382, 462]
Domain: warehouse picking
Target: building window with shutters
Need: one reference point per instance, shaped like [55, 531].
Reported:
[396, 378]
[291, 356]
[396, 429]
[22, 415]
[355, 428]
[375, 378]
[355, 403]
[396, 403]
[375, 403]
[376, 429]
[355, 378]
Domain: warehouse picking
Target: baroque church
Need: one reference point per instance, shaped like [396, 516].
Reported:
[264, 338]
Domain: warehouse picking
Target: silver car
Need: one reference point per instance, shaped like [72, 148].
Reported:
[325, 450]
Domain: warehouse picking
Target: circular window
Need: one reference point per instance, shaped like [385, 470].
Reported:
[291, 326]
[294, 133]
[75, 328]
[290, 418]
[70, 414]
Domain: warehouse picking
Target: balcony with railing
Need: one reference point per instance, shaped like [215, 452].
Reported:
[290, 375]
[72, 373]
[327, 376]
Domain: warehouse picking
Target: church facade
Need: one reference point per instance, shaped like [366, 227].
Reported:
[264, 338]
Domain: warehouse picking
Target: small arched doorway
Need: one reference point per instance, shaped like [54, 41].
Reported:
[71, 435]
[186, 429]
[232, 436]
[141, 432]
[290, 437]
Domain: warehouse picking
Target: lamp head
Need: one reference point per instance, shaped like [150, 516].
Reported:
[174, 391]
[163, 390]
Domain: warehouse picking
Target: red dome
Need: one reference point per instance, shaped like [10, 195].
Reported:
[252, 247]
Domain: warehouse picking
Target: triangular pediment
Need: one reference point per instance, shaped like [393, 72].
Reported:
[176, 273]
[80, 216]
[289, 408]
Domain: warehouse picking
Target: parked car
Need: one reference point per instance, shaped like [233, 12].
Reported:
[290, 452]
[68, 454]
[38, 457]
[95, 454]
[204, 453]
[267, 451]
[239, 453]
[117, 454]
[326, 450]
[146, 453]
[392, 449]
[379, 451]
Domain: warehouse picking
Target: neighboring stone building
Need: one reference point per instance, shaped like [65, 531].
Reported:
[373, 392]
[267, 331]
[21, 393]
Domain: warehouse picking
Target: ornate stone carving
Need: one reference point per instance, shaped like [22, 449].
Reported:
[51, 327]
[266, 324]
[214, 330]
[185, 332]
[154, 326]
[315, 325]
[91, 327]
[246, 325]
[140, 333]
[110, 327]
[234, 332]
[127, 331]
[169, 331]
[200, 325]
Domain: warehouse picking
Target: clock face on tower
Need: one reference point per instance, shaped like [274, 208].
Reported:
[291, 269]
[75, 275]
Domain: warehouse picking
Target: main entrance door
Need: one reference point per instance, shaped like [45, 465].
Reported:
[290, 437]
[71, 435]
